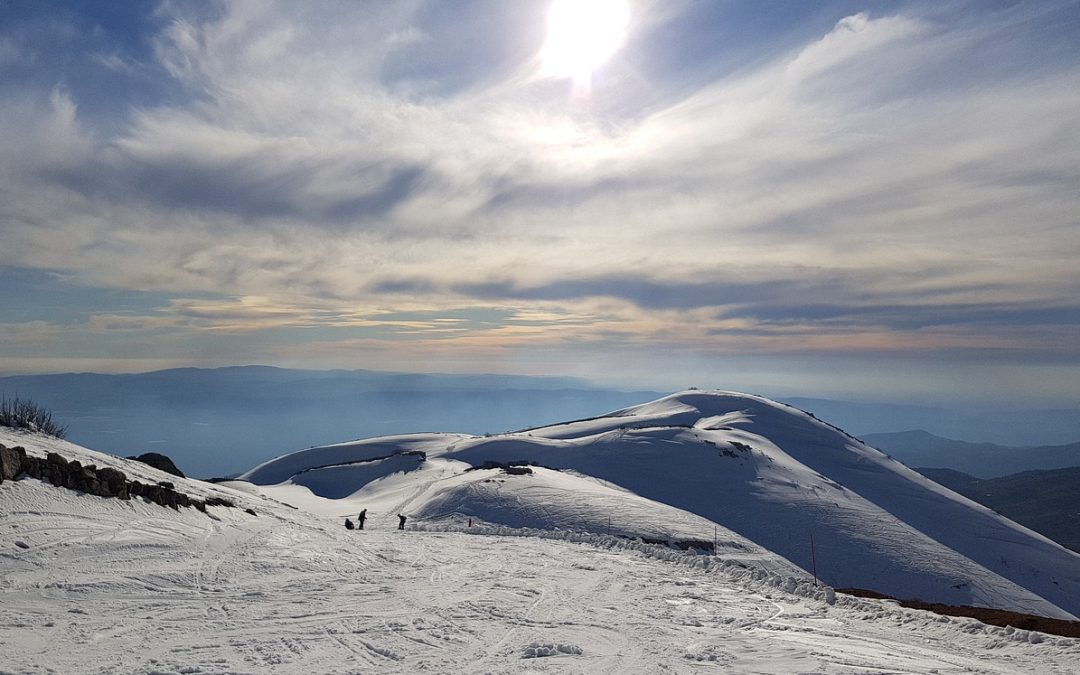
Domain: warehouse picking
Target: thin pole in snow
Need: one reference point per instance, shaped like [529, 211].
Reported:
[813, 557]
[714, 540]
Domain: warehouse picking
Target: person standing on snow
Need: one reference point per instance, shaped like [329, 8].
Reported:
[360, 519]
[401, 522]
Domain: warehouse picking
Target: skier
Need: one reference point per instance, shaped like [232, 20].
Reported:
[348, 524]
[360, 519]
[401, 522]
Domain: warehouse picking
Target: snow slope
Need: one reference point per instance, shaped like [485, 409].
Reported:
[93, 585]
[775, 475]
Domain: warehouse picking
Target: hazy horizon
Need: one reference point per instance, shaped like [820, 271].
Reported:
[219, 421]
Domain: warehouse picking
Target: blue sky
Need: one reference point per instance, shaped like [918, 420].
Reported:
[848, 199]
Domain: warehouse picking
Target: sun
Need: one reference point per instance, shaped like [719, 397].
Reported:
[582, 35]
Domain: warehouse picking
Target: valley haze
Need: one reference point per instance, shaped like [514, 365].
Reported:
[220, 421]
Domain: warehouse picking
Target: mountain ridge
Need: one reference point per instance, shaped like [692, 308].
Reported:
[982, 460]
[1046, 500]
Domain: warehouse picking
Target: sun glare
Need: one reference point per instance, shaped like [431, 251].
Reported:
[582, 35]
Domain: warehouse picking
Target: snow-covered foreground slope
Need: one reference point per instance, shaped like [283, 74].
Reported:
[776, 476]
[99, 585]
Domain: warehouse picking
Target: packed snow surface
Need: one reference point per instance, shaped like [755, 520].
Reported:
[538, 570]
[105, 586]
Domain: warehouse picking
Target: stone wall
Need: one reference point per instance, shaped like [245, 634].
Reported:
[103, 482]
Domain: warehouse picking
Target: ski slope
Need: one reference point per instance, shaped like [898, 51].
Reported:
[99, 585]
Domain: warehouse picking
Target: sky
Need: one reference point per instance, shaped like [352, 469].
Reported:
[848, 199]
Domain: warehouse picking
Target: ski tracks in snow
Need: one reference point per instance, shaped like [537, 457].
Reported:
[143, 589]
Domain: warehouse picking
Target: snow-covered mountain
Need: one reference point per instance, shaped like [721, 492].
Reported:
[763, 474]
[101, 585]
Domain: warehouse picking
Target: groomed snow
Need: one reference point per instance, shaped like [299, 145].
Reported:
[104, 586]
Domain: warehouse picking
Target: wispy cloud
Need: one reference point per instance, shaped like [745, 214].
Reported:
[894, 182]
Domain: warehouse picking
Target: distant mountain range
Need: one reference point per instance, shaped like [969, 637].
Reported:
[1046, 501]
[1016, 424]
[981, 460]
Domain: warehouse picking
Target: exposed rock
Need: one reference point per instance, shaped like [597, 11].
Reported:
[12, 461]
[171, 499]
[152, 493]
[159, 461]
[113, 483]
[33, 469]
[104, 482]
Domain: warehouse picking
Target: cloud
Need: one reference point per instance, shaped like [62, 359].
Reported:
[27, 333]
[643, 292]
[889, 182]
[131, 323]
[186, 164]
[9, 51]
[846, 46]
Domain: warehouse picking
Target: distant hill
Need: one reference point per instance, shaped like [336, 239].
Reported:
[1013, 424]
[955, 480]
[218, 421]
[1046, 501]
[982, 460]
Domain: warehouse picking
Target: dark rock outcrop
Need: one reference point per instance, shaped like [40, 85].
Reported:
[160, 462]
[11, 462]
[114, 483]
[518, 467]
[103, 482]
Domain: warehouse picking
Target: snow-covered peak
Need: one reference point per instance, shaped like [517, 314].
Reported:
[770, 473]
